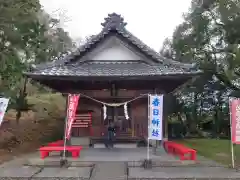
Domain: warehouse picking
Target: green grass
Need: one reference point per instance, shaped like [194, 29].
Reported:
[216, 149]
[55, 100]
[46, 98]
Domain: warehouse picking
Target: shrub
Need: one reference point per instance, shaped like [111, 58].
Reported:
[44, 123]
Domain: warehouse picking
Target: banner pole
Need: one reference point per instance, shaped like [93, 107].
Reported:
[66, 126]
[148, 141]
[231, 143]
[65, 142]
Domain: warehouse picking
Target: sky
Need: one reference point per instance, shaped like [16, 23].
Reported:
[152, 21]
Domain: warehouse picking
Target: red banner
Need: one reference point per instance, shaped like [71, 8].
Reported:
[71, 112]
[235, 120]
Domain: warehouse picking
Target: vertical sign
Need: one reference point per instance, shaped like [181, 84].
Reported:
[235, 120]
[155, 117]
[3, 108]
[71, 112]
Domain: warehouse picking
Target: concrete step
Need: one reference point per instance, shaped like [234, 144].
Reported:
[117, 140]
[109, 171]
[122, 146]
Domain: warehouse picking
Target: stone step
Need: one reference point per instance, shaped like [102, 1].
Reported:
[118, 139]
[125, 135]
[109, 171]
[120, 145]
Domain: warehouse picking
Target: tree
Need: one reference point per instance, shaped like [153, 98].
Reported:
[28, 35]
[19, 30]
[55, 41]
[209, 37]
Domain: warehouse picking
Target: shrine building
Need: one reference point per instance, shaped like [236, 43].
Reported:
[113, 67]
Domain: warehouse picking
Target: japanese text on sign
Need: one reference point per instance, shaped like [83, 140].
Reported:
[155, 117]
[3, 107]
[235, 120]
[238, 117]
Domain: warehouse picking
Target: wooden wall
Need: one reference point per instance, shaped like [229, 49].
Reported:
[138, 109]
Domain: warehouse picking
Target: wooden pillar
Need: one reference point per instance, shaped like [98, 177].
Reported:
[112, 93]
[165, 117]
[133, 126]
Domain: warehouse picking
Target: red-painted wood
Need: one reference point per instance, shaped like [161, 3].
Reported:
[75, 150]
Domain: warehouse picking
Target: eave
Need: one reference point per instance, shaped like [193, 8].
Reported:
[40, 77]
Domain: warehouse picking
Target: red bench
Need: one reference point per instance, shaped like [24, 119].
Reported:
[75, 150]
[56, 143]
[184, 153]
[166, 144]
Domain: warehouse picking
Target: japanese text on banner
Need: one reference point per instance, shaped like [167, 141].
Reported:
[155, 117]
[235, 120]
[3, 108]
[72, 107]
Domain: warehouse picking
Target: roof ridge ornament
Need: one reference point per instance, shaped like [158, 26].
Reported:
[114, 21]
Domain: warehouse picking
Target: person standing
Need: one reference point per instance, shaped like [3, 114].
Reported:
[111, 132]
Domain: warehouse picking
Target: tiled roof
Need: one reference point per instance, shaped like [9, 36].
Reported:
[112, 68]
[113, 24]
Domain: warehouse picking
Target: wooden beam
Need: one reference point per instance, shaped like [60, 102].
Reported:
[76, 86]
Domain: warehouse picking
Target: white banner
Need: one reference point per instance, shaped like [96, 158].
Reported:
[155, 117]
[3, 108]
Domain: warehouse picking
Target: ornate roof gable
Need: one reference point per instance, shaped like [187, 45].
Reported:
[113, 25]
